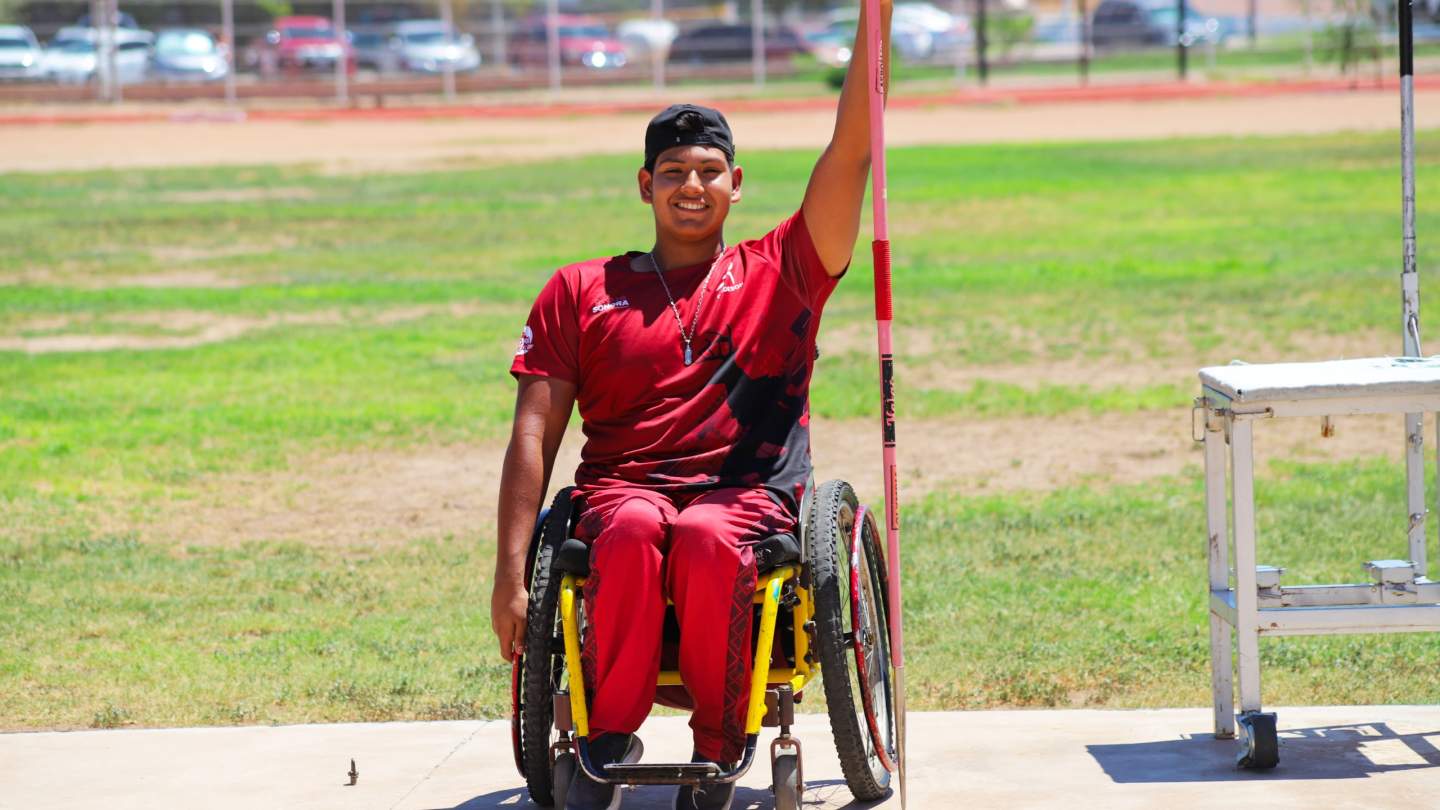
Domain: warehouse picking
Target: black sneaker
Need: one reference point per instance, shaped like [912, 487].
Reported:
[706, 797]
[588, 794]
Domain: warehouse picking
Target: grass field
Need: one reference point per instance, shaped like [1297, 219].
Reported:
[254, 321]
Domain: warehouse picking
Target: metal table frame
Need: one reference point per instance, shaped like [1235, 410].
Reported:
[1252, 600]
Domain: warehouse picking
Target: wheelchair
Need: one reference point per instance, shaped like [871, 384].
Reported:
[820, 611]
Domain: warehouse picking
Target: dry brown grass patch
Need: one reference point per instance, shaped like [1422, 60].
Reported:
[400, 495]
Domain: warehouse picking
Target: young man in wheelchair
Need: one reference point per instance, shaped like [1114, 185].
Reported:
[690, 363]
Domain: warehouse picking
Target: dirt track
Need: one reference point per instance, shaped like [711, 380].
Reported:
[437, 144]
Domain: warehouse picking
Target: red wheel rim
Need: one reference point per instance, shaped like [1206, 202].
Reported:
[857, 599]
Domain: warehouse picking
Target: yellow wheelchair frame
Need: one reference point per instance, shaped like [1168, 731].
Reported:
[838, 566]
[767, 594]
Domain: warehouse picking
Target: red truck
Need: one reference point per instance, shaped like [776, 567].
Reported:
[584, 42]
[301, 43]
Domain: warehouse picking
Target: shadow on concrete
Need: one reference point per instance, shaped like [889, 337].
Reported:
[1353, 751]
[827, 793]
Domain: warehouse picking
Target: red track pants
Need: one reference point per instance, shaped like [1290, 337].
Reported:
[696, 550]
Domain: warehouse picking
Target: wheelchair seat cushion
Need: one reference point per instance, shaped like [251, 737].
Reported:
[775, 551]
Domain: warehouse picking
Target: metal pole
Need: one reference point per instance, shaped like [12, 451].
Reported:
[96, 22]
[1084, 43]
[497, 35]
[757, 40]
[1180, 65]
[658, 54]
[878, 74]
[447, 74]
[1410, 286]
[958, 9]
[981, 66]
[1309, 37]
[1252, 12]
[552, 42]
[227, 35]
[342, 64]
[112, 23]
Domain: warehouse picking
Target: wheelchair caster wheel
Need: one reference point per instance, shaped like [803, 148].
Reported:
[1261, 749]
[563, 777]
[785, 771]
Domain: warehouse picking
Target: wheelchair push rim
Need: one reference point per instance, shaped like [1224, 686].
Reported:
[870, 636]
[856, 680]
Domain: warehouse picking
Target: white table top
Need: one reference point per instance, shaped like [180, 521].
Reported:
[1369, 376]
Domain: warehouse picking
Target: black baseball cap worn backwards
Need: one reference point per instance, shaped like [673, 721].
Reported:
[687, 125]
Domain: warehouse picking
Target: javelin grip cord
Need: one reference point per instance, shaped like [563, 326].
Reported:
[884, 301]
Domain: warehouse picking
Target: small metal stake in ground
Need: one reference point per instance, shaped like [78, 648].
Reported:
[884, 316]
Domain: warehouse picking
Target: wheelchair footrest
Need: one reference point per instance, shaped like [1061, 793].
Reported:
[662, 773]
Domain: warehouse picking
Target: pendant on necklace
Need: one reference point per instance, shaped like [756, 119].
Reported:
[687, 355]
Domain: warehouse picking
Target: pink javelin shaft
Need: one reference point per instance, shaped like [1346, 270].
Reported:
[884, 316]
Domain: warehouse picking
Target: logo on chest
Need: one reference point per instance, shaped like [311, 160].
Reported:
[606, 306]
[730, 282]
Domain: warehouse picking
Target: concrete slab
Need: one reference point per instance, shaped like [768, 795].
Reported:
[1333, 757]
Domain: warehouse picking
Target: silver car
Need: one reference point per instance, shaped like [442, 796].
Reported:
[72, 57]
[429, 46]
[19, 53]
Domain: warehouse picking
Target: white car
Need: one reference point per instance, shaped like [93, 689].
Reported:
[19, 53]
[918, 30]
[430, 46]
[645, 36]
[188, 54]
[73, 55]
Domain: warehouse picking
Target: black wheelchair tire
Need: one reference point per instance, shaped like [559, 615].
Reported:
[544, 658]
[832, 519]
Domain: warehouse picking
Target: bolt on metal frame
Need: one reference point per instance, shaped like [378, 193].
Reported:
[1252, 601]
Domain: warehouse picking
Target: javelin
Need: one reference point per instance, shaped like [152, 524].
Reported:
[884, 314]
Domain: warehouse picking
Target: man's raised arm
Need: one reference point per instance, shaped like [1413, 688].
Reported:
[837, 185]
[542, 410]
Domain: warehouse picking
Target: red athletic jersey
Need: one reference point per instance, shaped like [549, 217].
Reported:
[738, 415]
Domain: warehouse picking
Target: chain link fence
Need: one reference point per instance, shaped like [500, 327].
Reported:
[371, 52]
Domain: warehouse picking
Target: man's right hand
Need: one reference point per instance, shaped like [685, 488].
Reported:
[508, 602]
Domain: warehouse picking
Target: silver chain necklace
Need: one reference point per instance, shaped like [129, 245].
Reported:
[674, 310]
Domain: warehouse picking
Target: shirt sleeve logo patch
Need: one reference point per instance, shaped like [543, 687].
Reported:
[606, 306]
[527, 341]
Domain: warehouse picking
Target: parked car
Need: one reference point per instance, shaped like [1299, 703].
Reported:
[300, 43]
[725, 42]
[584, 41]
[831, 46]
[918, 31]
[431, 46]
[646, 36]
[20, 53]
[123, 19]
[373, 49]
[1153, 22]
[72, 57]
[188, 54]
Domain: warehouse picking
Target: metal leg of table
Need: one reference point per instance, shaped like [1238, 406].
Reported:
[1217, 528]
[1247, 613]
[1415, 487]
